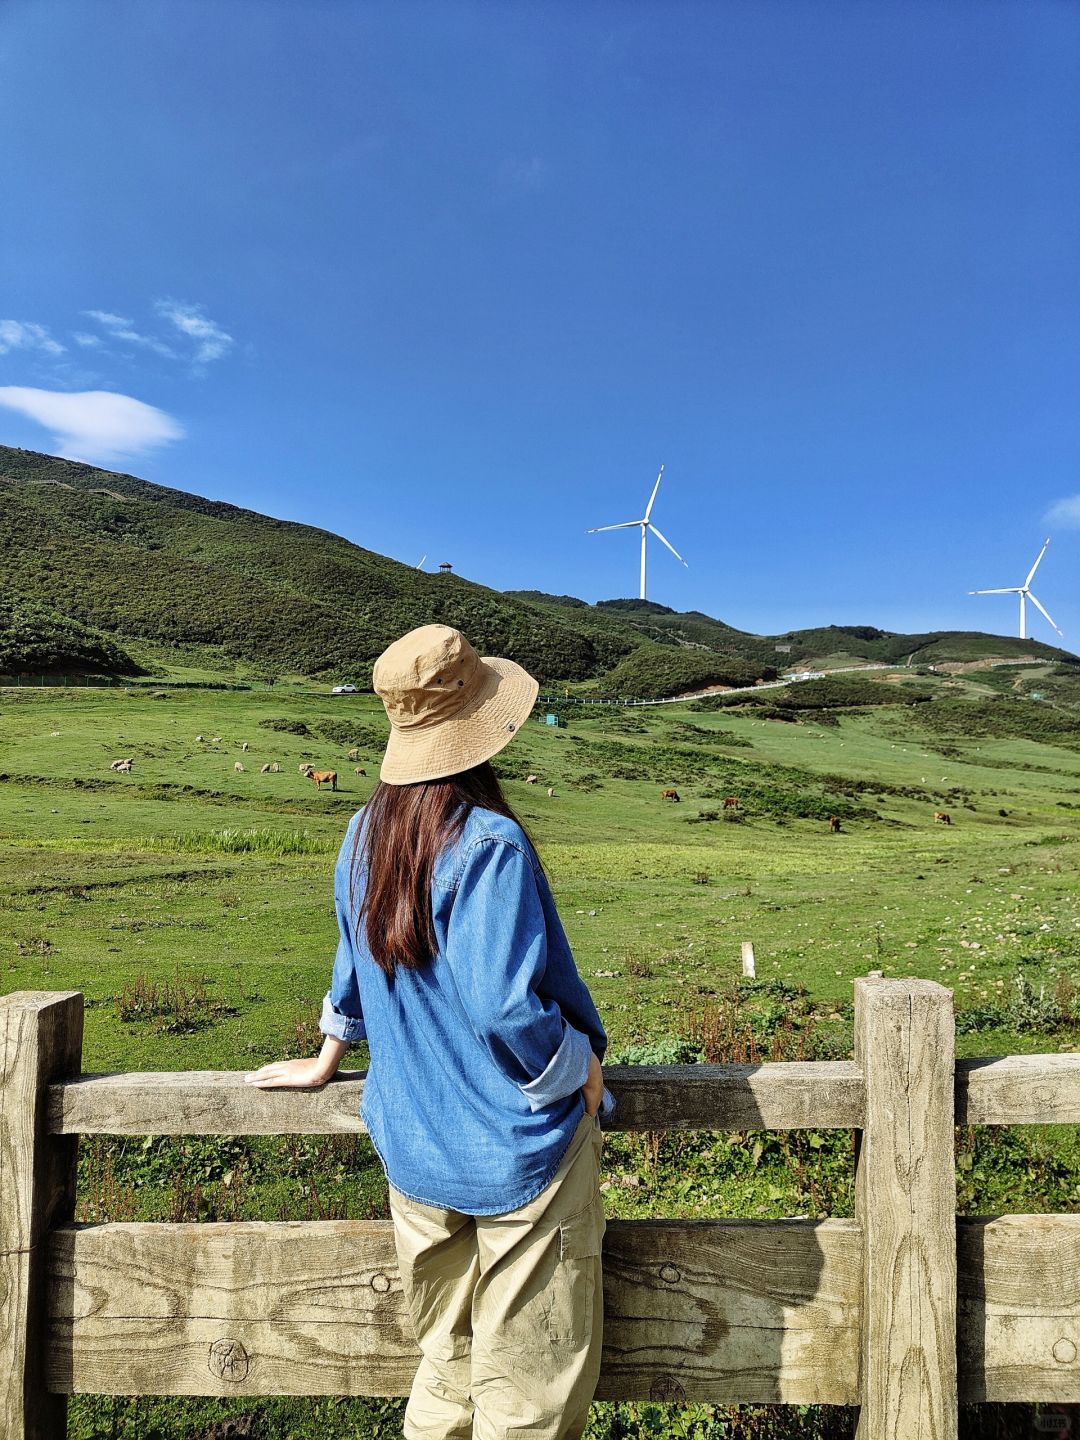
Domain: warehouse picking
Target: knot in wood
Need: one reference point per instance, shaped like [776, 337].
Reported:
[1064, 1351]
[670, 1273]
[229, 1360]
[666, 1387]
[380, 1283]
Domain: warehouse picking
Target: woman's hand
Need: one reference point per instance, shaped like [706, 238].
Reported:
[593, 1089]
[306, 1074]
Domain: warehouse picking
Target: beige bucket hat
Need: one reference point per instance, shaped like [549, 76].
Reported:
[448, 709]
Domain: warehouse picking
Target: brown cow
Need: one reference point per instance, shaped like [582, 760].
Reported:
[323, 777]
[834, 824]
[731, 802]
[669, 795]
[943, 816]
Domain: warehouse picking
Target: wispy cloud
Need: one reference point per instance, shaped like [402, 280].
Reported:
[211, 341]
[1065, 512]
[20, 335]
[108, 319]
[88, 342]
[94, 425]
[524, 172]
[119, 327]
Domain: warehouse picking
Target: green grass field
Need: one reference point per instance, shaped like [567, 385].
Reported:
[192, 904]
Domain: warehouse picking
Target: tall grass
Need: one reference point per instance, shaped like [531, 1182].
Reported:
[254, 842]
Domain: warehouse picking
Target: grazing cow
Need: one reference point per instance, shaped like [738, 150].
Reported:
[265, 769]
[531, 779]
[359, 770]
[669, 795]
[323, 777]
[238, 768]
[121, 764]
[354, 753]
[551, 791]
[943, 816]
[834, 824]
[731, 802]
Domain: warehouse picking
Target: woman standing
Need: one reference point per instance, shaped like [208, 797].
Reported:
[485, 1089]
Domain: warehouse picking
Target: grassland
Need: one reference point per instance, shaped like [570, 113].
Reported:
[192, 905]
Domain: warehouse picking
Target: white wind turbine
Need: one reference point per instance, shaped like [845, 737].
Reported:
[646, 525]
[1024, 591]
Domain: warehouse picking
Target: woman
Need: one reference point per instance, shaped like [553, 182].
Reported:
[485, 1089]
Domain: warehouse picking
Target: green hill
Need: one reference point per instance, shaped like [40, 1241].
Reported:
[142, 562]
[117, 565]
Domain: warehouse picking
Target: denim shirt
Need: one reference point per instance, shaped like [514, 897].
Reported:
[478, 1056]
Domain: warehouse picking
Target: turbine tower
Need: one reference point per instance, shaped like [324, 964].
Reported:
[646, 525]
[1024, 591]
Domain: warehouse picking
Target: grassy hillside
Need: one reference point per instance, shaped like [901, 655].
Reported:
[144, 562]
[123, 572]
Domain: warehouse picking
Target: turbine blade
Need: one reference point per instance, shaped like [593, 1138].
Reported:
[1038, 606]
[1007, 590]
[652, 497]
[1034, 567]
[668, 544]
[626, 525]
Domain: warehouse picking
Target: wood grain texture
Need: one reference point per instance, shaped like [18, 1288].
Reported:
[40, 1040]
[1019, 1308]
[1018, 1090]
[703, 1310]
[818, 1094]
[906, 1204]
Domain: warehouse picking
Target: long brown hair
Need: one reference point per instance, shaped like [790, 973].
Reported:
[405, 829]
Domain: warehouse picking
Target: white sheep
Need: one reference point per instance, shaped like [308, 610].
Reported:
[238, 768]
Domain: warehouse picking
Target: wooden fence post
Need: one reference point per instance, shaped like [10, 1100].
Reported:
[905, 1199]
[40, 1041]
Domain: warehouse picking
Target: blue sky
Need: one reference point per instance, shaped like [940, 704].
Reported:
[456, 278]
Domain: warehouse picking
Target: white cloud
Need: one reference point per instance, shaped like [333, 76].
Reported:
[19, 335]
[119, 327]
[88, 342]
[94, 425]
[108, 319]
[211, 341]
[1065, 512]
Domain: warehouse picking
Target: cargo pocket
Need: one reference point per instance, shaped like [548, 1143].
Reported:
[576, 1284]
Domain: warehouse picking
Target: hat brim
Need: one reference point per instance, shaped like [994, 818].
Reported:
[491, 720]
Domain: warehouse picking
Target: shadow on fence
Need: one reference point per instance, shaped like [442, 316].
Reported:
[901, 1311]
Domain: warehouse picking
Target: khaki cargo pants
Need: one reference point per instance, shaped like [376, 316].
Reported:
[508, 1310]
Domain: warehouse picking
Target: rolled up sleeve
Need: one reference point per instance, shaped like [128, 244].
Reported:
[497, 952]
[342, 1013]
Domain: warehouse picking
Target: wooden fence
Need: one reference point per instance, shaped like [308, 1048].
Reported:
[902, 1311]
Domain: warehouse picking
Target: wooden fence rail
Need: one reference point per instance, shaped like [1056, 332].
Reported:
[902, 1311]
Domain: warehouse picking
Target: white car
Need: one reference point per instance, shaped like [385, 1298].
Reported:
[344, 690]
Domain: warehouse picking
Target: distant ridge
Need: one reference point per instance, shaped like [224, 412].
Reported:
[99, 561]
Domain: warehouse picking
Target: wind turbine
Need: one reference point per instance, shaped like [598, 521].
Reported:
[422, 559]
[646, 525]
[1024, 591]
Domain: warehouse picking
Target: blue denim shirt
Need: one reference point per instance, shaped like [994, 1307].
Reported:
[478, 1056]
